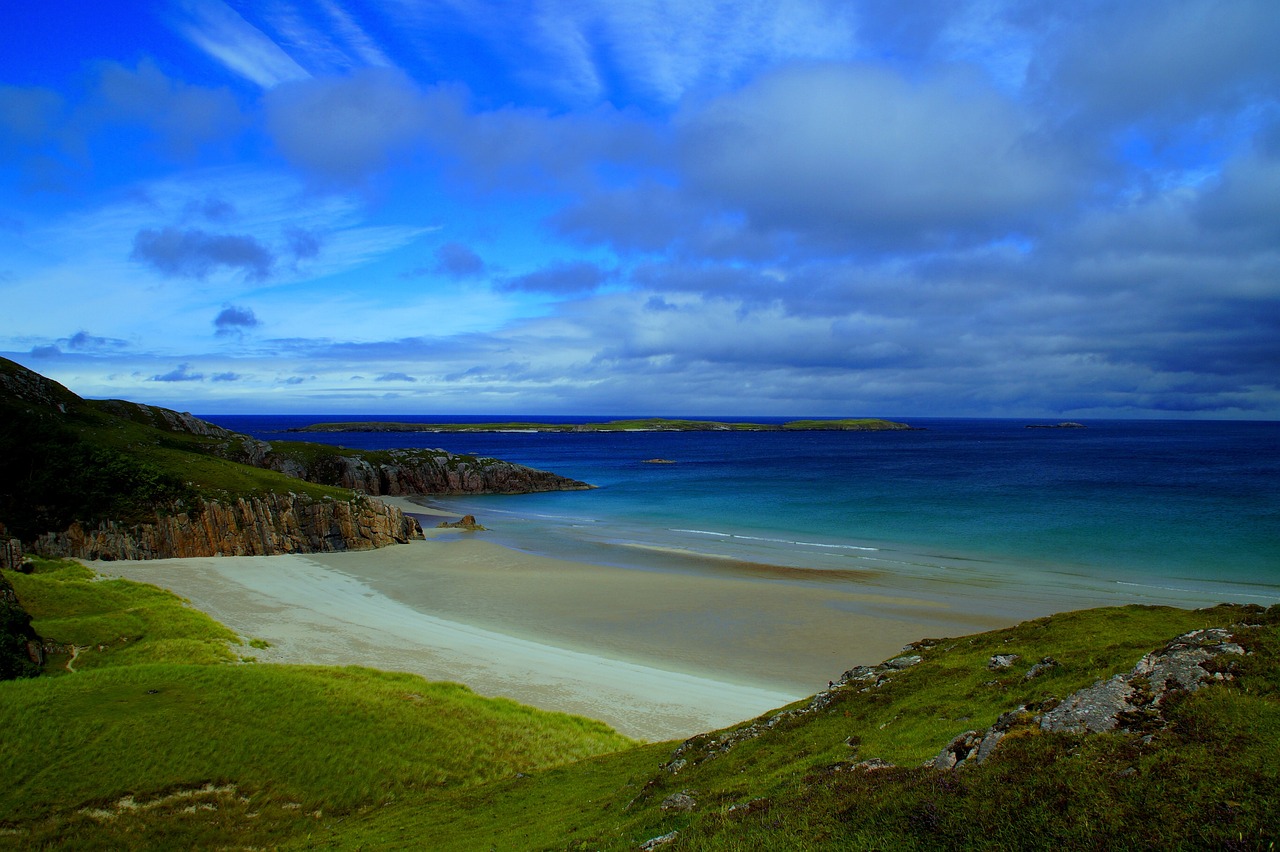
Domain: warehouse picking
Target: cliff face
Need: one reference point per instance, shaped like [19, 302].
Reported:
[421, 472]
[256, 526]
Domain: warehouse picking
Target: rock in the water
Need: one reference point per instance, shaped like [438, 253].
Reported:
[466, 522]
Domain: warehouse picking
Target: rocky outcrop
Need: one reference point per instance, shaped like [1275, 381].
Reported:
[1132, 702]
[256, 526]
[20, 648]
[419, 472]
[10, 552]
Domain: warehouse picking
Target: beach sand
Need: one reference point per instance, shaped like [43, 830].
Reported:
[656, 654]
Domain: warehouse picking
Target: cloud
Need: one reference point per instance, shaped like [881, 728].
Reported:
[303, 244]
[867, 157]
[211, 208]
[234, 320]
[28, 115]
[184, 116]
[1163, 61]
[193, 253]
[226, 377]
[343, 129]
[562, 278]
[219, 31]
[457, 261]
[395, 377]
[83, 341]
[182, 373]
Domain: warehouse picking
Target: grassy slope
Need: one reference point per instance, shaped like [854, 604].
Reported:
[157, 718]
[215, 753]
[1206, 781]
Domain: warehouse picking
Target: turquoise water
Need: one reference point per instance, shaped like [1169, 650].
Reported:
[1157, 504]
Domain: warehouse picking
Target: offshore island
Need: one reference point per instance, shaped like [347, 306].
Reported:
[648, 424]
[211, 641]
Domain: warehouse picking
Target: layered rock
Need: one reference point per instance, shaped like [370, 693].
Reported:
[254, 526]
[417, 472]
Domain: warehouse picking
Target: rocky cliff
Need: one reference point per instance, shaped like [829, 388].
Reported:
[20, 649]
[254, 526]
[419, 472]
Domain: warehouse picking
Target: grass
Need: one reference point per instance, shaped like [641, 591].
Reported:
[145, 748]
[157, 718]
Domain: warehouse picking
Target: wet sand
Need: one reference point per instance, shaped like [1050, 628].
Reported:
[656, 654]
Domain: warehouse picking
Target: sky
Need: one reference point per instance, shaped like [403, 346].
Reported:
[972, 208]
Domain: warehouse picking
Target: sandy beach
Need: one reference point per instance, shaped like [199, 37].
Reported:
[656, 654]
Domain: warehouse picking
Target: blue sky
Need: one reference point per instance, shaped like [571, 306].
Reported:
[976, 208]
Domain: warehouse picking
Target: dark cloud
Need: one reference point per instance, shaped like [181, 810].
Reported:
[193, 253]
[345, 128]
[183, 116]
[211, 208]
[83, 341]
[235, 320]
[48, 350]
[395, 377]
[1157, 61]
[564, 278]
[28, 116]
[458, 261]
[225, 377]
[303, 244]
[182, 373]
[866, 157]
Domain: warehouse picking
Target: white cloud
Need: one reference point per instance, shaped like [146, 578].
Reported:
[221, 32]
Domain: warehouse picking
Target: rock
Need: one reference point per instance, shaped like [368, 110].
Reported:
[899, 663]
[467, 522]
[1001, 661]
[873, 765]
[21, 651]
[1136, 697]
[11, 558]
[682, 801]
[256, 526]
[662, 840]
[1040, 668]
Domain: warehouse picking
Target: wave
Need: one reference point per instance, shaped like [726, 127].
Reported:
[777, 540]
[1190, 591]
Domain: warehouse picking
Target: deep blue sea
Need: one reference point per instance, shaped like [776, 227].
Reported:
[1180, 505]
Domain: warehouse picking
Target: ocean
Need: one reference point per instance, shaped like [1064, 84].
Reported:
[1156, 507]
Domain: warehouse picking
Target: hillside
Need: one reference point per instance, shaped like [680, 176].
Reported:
[351, 758]
[74, 468]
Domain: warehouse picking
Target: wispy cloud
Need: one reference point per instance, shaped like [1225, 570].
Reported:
[221, 32]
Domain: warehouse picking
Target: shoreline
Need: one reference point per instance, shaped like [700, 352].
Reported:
[658, 653]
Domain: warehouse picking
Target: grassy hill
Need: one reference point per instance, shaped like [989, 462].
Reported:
[66, 459]
[159, 735]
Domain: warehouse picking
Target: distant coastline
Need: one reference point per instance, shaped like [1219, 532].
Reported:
[652, 424]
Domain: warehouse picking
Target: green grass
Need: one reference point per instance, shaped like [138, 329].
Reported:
[115, 622]
[157, 714]
[173, 752]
